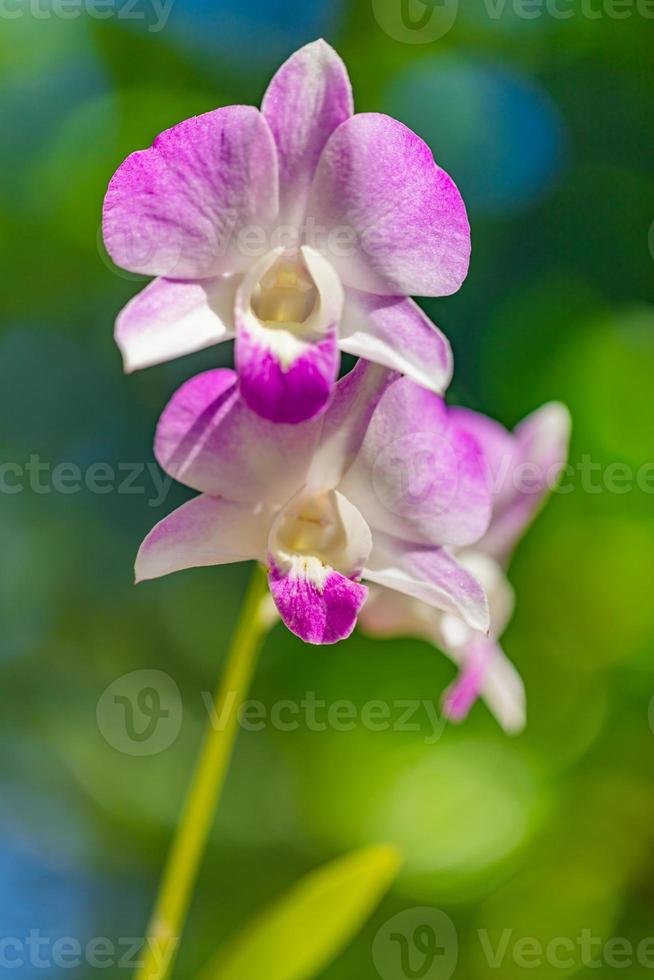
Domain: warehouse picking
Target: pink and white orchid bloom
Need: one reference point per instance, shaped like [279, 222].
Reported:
[299, 230]
[523, 466]
[323, 503]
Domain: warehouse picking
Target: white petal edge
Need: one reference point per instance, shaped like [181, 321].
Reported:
[430, 574]
[204, 531]
[394, 332]
[171, 318]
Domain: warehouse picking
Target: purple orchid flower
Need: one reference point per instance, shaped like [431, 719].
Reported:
[323, 503]
[523, 467]
[300, 230]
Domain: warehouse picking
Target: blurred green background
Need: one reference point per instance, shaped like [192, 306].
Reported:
[547, 125]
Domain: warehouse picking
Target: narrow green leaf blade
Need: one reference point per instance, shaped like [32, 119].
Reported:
[304, 930]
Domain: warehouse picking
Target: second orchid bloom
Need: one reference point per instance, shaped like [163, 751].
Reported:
[326, 503]
[299, 230]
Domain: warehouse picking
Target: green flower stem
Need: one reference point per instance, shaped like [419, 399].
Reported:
[176, 889]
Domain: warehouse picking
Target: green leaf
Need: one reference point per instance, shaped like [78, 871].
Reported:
[308, 927]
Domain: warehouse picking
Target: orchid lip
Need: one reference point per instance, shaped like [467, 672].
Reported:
[316, 550]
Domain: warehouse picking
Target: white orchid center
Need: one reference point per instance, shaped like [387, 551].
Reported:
[319, 532]
[311, 527]
[286, 295]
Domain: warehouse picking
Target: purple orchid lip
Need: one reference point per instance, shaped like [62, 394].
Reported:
[358, 198]
[319, 610]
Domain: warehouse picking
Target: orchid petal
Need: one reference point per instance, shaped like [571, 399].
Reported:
[499, 591]
[393, 331]
[287, 370]
[542, 441]
[204, 531]
[344, 424]
[171, 317]
[318, 611]
[460, 697]
[210, 440]
[429, 574]
[318, 545]
[309, 96]
[417, 476]
[503, 690]
[486, 672]
[500, 447]
[176, 208]
[408, 228]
